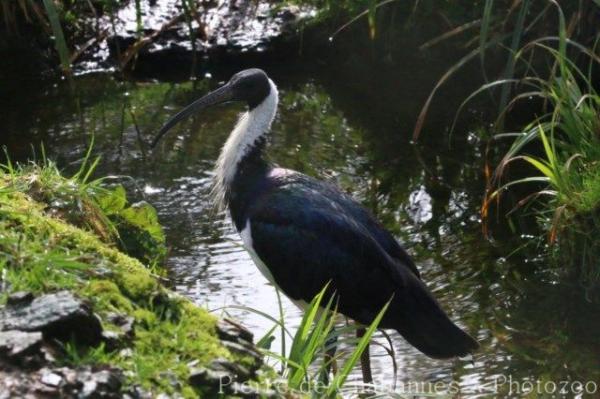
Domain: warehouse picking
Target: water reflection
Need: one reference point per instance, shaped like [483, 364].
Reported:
[427, 196]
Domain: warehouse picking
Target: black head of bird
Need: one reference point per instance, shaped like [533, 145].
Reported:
[251, 86]
[304, 233]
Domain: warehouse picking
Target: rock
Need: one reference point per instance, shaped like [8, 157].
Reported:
[63, 382]
[102, 384]
[50, 353]
[223, 382]
[228, 330]
[69, 375]
[59, 315]
[109, 379]
[49, 378]
[137, 392]
[249, 391]
[172, 378]
[15, 344]
[112, 340]
[124, 322]
[19, 297]
[220, 373]
[245, 350]
[116, 339]
[204, 377]
[238, 372]
[43, 390]
[126, 352]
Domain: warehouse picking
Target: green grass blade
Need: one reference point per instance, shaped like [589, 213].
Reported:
[267, 338]
[471, 96]
[8, 166]
[449, 73]
[282, 359]
[371, 17]
[343, 374]
[562, 34]
[305, 325]
[550, 154]
[59, 37]
[534, 179]
[90, 170]
[486, 21]
[84, 162]
[138, 19]
[314, 343]
[541, 166]
[514, 47]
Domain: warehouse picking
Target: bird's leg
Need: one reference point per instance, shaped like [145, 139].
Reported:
[331, 364]
[392, 354]
[365, 359]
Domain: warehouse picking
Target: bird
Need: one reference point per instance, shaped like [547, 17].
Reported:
[305, 234]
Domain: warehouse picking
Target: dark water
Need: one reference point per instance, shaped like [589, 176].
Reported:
[531, 327]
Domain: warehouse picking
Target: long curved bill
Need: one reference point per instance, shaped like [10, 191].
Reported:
[218, 96]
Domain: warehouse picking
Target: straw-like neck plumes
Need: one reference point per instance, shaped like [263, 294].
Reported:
[248, 135]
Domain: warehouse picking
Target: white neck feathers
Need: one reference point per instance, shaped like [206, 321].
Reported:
[251, 126]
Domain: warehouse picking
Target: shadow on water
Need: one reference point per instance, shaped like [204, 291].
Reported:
[530, 327]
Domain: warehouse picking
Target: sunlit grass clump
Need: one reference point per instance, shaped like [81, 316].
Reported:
[91, 205]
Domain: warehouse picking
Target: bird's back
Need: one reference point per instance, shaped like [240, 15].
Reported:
[309, 234]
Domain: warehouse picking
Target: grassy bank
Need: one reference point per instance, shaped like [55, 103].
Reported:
[543, 161]
[60, 233]
[556, 153]
[556, 156]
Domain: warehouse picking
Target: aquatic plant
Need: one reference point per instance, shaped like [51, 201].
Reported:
[560, 146]
[566, 171]
[310, 367]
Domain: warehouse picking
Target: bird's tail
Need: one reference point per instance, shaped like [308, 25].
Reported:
[418, 317]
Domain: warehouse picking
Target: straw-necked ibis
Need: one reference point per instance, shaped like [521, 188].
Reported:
[304, 233]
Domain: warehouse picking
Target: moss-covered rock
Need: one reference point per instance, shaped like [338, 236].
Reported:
[106, 212]
[44, 250]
